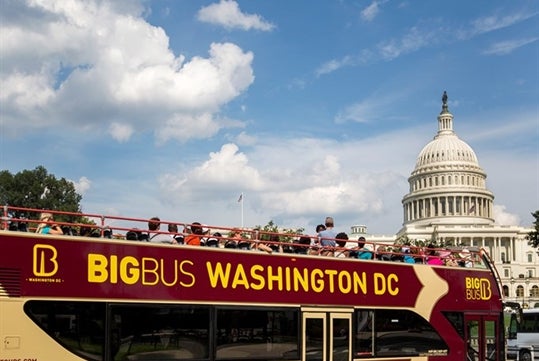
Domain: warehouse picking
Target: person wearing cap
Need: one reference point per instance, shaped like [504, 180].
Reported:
[465, 258]
[327, 238]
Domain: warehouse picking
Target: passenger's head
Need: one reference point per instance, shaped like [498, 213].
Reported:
[173, 228]
[154, 223]
[361, 241]
[329, 222]
[430, 249]
[320, 228]
[196, 228]
[341, 238]
[46, 217]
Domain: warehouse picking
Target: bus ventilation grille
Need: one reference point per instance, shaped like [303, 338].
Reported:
[10, 282]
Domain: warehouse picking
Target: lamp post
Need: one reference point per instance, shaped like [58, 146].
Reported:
[513, 288]
[526, 290]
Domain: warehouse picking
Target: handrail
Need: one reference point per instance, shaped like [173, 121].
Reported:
[113, 226]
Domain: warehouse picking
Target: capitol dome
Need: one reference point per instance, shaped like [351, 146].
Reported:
[447, 184]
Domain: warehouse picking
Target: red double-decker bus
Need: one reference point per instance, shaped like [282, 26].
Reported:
[65, 297]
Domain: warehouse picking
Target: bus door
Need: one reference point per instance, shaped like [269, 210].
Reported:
[481, 337]
[326, 335]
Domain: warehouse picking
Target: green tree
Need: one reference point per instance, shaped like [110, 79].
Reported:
[271, 228]
[38, 189]
[533, 236]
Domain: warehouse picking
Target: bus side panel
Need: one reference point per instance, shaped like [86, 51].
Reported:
[23, 340]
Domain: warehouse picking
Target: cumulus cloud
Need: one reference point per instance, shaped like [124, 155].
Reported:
[314, 182]
[502, 217]
[227, 13]
[91, 64]
[121, 132]
[82, 185]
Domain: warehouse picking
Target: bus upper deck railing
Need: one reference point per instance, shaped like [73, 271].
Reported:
[136, 229]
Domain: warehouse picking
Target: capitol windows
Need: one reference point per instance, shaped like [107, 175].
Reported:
[505, 271]
[530, 257]
[520, 291]
[534, 292]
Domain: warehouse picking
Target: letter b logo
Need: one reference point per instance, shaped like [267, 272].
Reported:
[44, 262]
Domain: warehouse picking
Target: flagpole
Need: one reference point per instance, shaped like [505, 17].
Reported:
[241, 210]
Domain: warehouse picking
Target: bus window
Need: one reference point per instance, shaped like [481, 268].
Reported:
[405, 333]
[257, 333]
[363, 342]
[165, 332]
[78, 326]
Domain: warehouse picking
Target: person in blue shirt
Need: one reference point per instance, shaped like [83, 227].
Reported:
[362, 252]
[327, 238]
[46, 226]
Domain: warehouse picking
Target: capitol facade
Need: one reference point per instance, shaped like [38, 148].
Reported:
[449, 202]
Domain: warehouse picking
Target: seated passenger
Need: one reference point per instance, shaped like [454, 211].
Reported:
[362, 252]
[173, 230]
[465, 258]
[433, 256]
[341, 240]
[302, 245]
[407, 255]
[153, 227]
[261, 245]
[197, 232]
[46, 227]
[382, 254]
[213, 241]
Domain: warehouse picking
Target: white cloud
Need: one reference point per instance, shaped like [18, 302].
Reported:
[333, 65]
[494, 22]
[502, 217]
[413, 40]
[85, 64]
[228, 14]
[82, 185]
[371, 11]
[246, 139]
[121, 132]
[507, 47]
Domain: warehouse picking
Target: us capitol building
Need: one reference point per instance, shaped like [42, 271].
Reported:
[449, 202]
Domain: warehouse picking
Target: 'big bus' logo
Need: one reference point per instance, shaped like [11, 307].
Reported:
[44, 260]
[478, 289]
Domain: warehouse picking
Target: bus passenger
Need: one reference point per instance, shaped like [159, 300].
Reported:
[362, 251]
[45, 227]
[153, 227]
[382, 254]
[302, 245]
[465, 258]
[327, 238]
[173, 230]
[193, 238]
[341, 240]
[433, 256]
[407, 258]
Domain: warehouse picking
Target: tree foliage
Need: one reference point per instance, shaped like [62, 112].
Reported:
[533, 236]
[38, 189]
[271, 227]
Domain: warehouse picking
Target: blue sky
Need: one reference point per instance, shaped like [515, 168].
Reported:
[308, 108]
